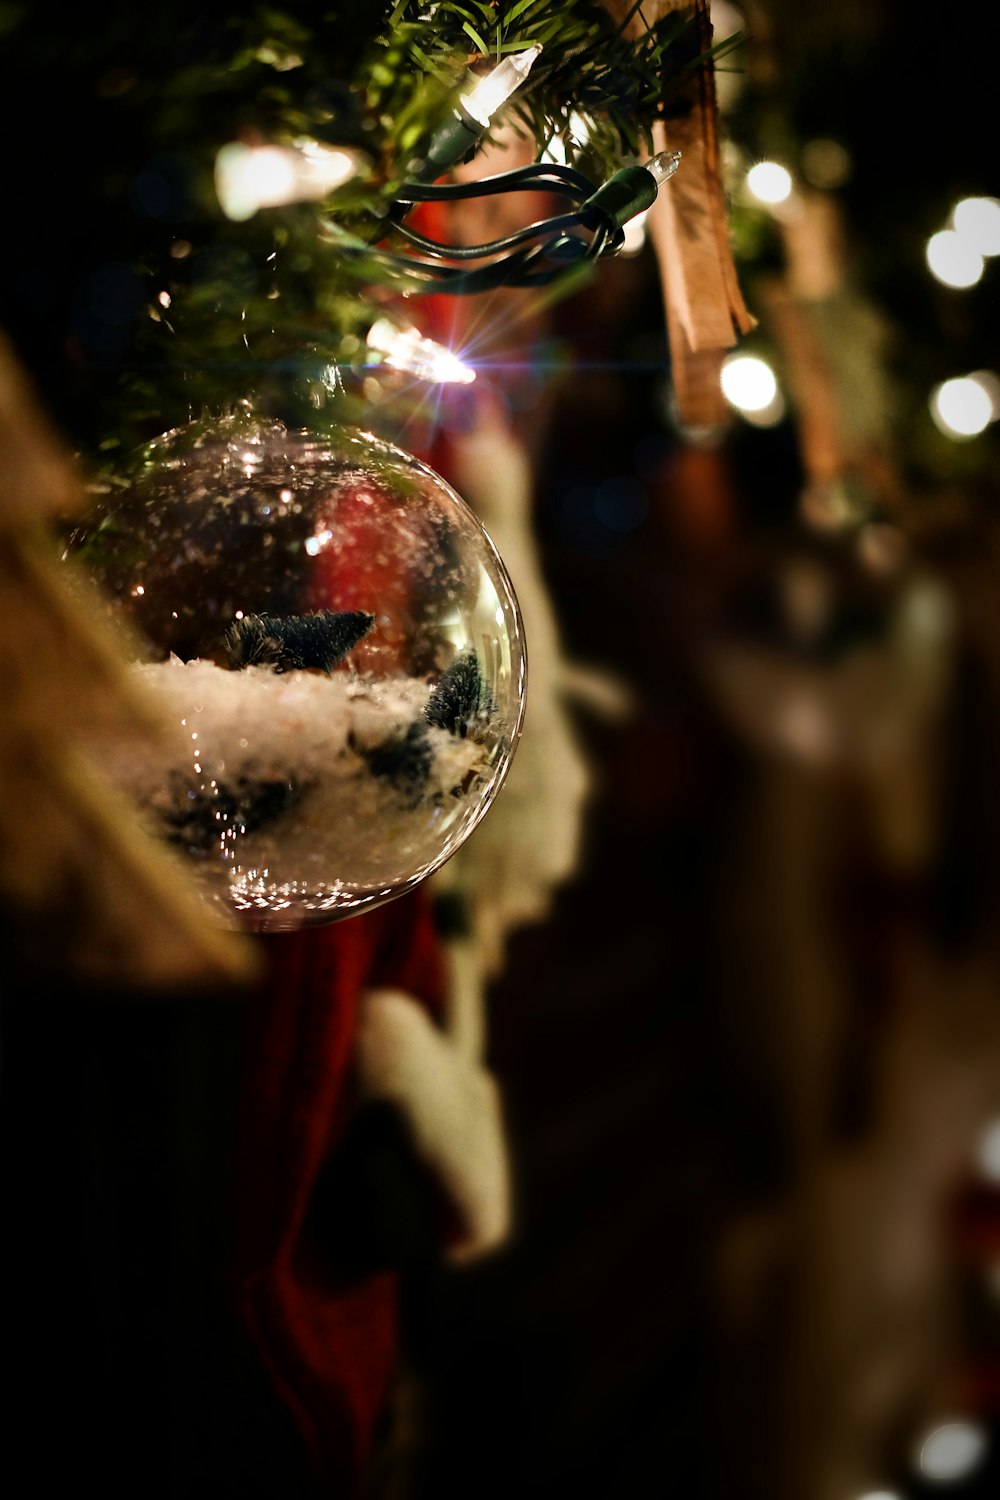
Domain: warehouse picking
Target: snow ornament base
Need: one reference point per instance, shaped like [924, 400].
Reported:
[335, 651]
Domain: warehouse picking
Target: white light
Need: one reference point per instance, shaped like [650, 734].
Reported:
[988, 1151]
[880, 1495]
[251, 177]
[953, 260]
[578, 132]
[556, 152]
[770, 182]
[977, 220]
[323, 168]
[580, 128]
[493, 90]
[962, 408]
[635, 233]
[314, 544]
[952, 1451]
[405, 349]
[769, 415]
[748, 383]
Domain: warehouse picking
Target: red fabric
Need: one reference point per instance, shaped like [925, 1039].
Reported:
[329, 1345]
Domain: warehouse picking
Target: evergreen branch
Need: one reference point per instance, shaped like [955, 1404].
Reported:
[204, 310]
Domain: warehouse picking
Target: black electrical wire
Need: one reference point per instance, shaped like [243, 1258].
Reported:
[552, 227]
[530, 256]
[533, 255]
[550, 177]
[535, 265]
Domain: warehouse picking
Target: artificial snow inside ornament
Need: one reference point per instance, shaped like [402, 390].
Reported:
[337, 651]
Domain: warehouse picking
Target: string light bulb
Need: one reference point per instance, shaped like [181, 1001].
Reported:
[406, 349]
[493, 90]
[477, 108]
[248, 178]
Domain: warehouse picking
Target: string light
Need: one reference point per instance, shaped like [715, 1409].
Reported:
[406, 349]
[248, 178]
[532, 256]
[459, 136]
[252, 177]
[492, 92]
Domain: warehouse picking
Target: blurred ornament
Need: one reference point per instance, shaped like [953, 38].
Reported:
[338, 655]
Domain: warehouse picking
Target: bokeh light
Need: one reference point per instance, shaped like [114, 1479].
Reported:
[248, 178]
[826, 164]
[750, 385]
[963, 407]
[770, 182]
[977, 220]
[952, 1452]
[748, 382]
[953, 260]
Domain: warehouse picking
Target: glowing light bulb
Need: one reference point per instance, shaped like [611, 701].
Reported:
[495, 88]
[977, 220]
[953, 260]
[963, 407]
[770, 182]
[406, 349]
[952, 1451]
[748, 383]
[248, 178]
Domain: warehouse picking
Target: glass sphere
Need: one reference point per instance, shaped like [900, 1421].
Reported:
[335, 651]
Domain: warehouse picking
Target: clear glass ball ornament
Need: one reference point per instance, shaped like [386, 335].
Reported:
[334, 649]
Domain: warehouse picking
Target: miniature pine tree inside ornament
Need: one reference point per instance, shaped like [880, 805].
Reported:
[336, 651]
